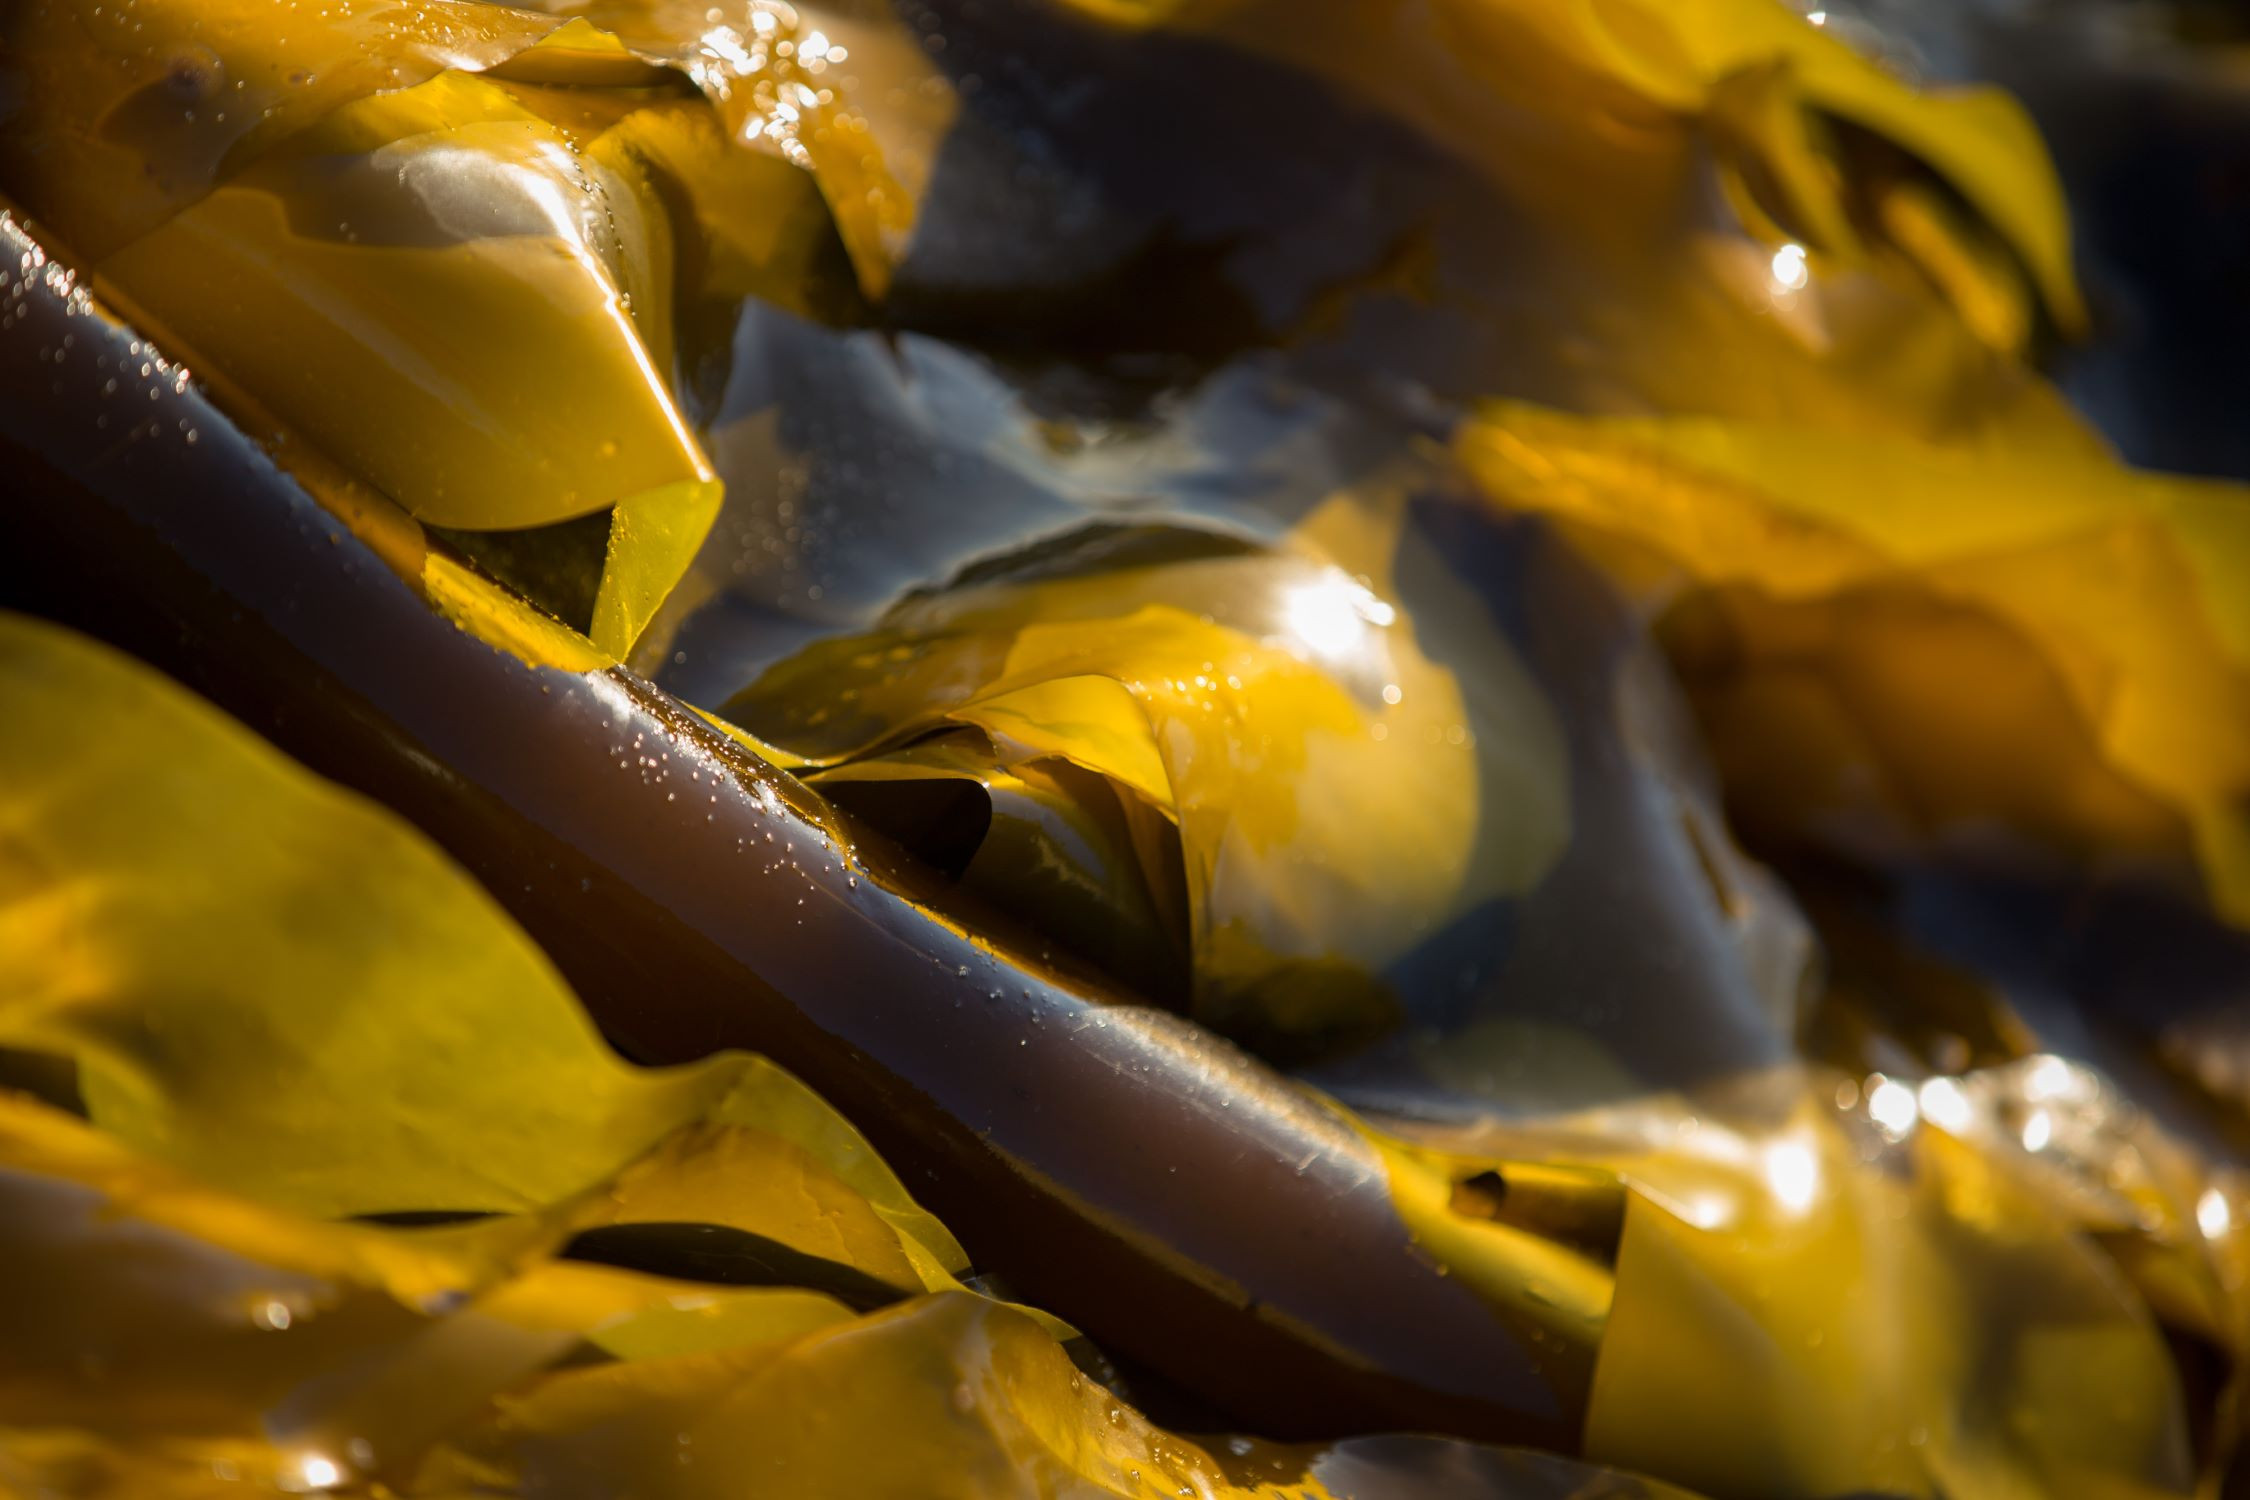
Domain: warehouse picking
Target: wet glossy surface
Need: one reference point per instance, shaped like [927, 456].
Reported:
[1134, 506]
[1179, 1189]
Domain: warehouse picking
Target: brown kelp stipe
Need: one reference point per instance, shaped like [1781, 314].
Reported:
[1144, 1180]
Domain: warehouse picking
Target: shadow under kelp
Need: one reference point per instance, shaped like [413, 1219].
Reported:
[861, 465]
[1654, 956]
[871, 472]
[1148, 203]
[1152, 201]
[2150, 131]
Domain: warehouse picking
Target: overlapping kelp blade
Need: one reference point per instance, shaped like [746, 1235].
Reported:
[1485, 135]
[943, 1397]
[478, 282]
[1329, 804]
[464, 280]
[1884, 1308]
[176, 1330]
[1901, 643]
[1081, 859]
[152, 1311]
[1944, 1309]
[1634, 61]
[777, 76]
[178, 890]
[125, 116]
[236, 1363]
[444, 259]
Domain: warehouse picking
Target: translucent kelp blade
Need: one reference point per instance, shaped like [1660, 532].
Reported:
[1635, 59]
[2070, 1390]
[122, 117]
[1847, 612]
[1885, 1312]
[843, 90]
[1060, 848]
[747, 224]
[152, 1310]
[176, 890]
[481, 276]
[2170, 1221]
[1331, 807]
[653, 537]
[942, 1397]
[444, 257]
[155, 1316]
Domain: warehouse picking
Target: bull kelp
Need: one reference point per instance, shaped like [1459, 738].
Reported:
[1080, 747]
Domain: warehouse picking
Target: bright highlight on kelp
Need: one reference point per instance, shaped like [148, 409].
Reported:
[1681, 315]
[1969, 201]
[1288, 791]
[190, 1315]
[469, 221]
[1872, 629]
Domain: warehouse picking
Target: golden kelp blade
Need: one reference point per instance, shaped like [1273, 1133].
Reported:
[777, 75]
[148, 1306]
[947, 1398]
[176, 888]
[1078, 857]
[167, 1334]
[165, 1327]
[1583, 59]
[125, 115]
[459, 275]
[1830, 1304]
[477, 282]
[1841, 604]
[653, 537]
[1876, 1311]
[442, 256]
[1331, 809]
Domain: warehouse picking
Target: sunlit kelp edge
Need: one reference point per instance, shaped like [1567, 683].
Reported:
[241, 1335]
[1970, 1228]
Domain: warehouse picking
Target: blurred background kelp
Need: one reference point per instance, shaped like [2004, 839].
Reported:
[1653, 599]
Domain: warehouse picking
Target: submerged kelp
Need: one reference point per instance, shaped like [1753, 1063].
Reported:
[1345, 521]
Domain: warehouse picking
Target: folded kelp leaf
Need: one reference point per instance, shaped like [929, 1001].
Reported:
[861, 468]
[460, 290]
[946, 1397]
[189, 1334]
[2172, 1223]
[778, 73]
[1286, 772]
[1768, 85]
[1887, 1309]
[176, 889]
[228, 1340]
[1715, 208]
[120, 118]
[413, 246]
[1898, 647]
